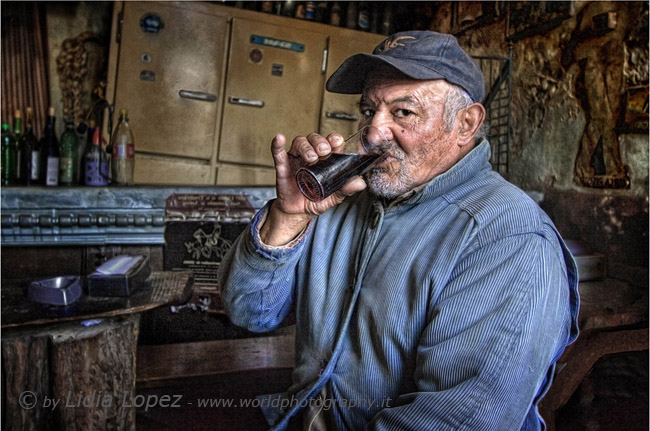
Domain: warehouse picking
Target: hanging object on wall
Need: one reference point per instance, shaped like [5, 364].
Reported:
[72, 65]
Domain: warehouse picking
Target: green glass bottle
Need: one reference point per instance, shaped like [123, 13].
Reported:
[69, 154]
[8, 156]
[18, 133]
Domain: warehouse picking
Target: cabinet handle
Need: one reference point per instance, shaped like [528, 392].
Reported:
[247, 102]
[197, 95]
[342, 116]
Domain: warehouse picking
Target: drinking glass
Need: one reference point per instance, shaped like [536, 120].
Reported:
[360, 152]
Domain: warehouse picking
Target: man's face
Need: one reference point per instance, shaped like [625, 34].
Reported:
[410, 113]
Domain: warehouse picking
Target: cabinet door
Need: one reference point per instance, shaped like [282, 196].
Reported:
[340, 112]
[274, 85]
[169, 77]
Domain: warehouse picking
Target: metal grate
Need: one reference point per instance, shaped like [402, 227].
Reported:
[498, 81]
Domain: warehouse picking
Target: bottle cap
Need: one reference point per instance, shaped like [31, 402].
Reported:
[123, 112]
[17, 113]
[50, 111]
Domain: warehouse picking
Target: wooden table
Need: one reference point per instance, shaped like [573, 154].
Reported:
[74, 368]
[613, 319]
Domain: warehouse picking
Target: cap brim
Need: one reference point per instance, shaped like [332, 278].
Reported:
[350, 77]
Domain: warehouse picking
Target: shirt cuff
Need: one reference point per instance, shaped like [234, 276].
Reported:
[257, 226]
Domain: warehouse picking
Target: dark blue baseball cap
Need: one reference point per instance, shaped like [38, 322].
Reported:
[419, 55]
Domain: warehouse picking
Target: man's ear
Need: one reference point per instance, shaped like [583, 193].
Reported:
[469, 122]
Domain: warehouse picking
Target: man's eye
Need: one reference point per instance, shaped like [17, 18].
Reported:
[402, 113]
[367, 113]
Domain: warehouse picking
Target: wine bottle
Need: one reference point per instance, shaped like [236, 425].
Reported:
[50, 151]
[30, 152]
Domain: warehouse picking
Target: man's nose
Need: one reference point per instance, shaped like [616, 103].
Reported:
[383, 125]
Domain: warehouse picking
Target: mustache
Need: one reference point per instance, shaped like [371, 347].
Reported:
[395, 152]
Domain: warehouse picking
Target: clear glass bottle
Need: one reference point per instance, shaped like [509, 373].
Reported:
[30, 153]
[50, 151]
[69, 154]
[123, 151]
[9, 146]
[95, 163]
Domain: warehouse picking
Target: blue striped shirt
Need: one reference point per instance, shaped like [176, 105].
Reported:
[445, 310]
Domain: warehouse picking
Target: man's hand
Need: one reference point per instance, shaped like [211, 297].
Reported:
[291, 211]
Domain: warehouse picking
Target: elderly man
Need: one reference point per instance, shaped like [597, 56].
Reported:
[429, 295]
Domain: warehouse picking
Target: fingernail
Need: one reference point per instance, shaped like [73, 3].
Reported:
[324, 148]
[311, 155]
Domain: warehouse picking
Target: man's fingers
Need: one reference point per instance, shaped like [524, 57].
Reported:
[336, 141]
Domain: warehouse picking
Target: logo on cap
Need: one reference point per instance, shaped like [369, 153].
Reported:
[390, 44]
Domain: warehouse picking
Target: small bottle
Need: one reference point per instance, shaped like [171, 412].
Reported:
[8, 156]
[267, 7]
[335, 14]
[363, 19]
[351, 15]
[123, 151]
[50, 151]
[300, 11]
[375, 17]
[387, 20]
[69, 154]
[310, 10]
[321, 12]
[30, 153]
[95, 163]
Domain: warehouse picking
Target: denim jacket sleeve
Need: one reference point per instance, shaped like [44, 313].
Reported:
[483, 358]
[257, 281]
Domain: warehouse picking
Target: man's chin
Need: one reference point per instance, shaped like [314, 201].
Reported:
[380, 185]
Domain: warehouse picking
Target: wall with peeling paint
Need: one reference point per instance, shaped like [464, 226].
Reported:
[548, 122]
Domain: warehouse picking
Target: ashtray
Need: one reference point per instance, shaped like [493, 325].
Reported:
[63, 290]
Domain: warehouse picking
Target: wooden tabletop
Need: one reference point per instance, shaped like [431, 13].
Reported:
[163, 288]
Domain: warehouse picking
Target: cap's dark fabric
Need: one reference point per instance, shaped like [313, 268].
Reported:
[418, 55]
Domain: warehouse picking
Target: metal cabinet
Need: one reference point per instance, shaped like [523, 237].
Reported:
[275, 82]
[208, 86]
[169, 76]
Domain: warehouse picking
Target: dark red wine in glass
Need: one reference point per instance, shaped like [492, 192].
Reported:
[318, 181]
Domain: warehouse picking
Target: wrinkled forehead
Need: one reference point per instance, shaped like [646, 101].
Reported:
[386, 79]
